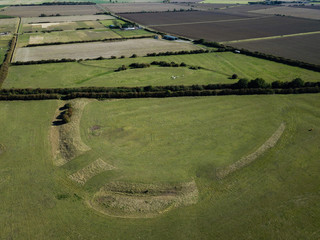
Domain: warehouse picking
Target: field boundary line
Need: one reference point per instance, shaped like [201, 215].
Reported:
[213, 21]
[272, 37]
[244, 161]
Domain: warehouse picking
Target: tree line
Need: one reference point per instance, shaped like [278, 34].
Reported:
[242, 87]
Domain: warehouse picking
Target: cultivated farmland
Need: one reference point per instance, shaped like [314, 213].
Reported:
[54, 26]
[304, 48]
[66, 18]
[105, 49]
[66, 36]
[234, 29]
[144, 7]
[36, 11]
[8, 25]
[168, 18]
[292, 12]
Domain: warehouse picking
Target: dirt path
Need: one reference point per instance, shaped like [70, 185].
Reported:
[271, 142]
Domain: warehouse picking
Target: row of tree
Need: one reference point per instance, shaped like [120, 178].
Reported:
[168, 53]
[242, 84]
[4, 68]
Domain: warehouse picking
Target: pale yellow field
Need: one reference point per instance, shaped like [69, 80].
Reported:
[104, 49]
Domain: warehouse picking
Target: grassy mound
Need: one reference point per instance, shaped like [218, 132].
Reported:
[93, 169]
[66, 140]
[143, 200]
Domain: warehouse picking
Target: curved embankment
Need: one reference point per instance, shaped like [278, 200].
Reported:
[91, 170]
[1, 148]
[130, 200]
[271, 142]
[65, 139]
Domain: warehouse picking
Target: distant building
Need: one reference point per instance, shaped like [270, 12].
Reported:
[171, 38]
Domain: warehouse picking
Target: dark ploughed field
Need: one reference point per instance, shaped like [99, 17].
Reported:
[304, 48]
[223, 27]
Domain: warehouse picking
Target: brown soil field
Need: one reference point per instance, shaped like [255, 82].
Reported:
[35, 11]
[241, 29]
[304, 48]
[143, 7]
[105, 49]
[292, 12]
[163, 18]
[66, 18]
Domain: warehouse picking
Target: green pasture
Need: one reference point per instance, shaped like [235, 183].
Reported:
[218, 69]
[4, 46]
[65, 36]
[107, 23]
[167, 140]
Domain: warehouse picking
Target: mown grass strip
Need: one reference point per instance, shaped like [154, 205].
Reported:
[272, 37]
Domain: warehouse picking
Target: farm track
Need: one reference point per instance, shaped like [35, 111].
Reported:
[272, 37]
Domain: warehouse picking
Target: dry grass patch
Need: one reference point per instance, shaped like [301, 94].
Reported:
[121, 199]
[65, 139]
[126, 48]
[93, 169]
[271, 142]
[76, 18]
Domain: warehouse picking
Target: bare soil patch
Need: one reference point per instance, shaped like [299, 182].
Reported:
[144, 7]
[304, 48]
[163, 18]
[292, 12]
[36, 39]
[35, 11]
[93, 169]
[271, 142]
[244, 29]
[105, 49]
[65, 139]
[121, 199]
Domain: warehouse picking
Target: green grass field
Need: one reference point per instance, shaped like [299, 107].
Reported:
[4, 46]
[101, 73]
[167, 140]
[107, 23]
